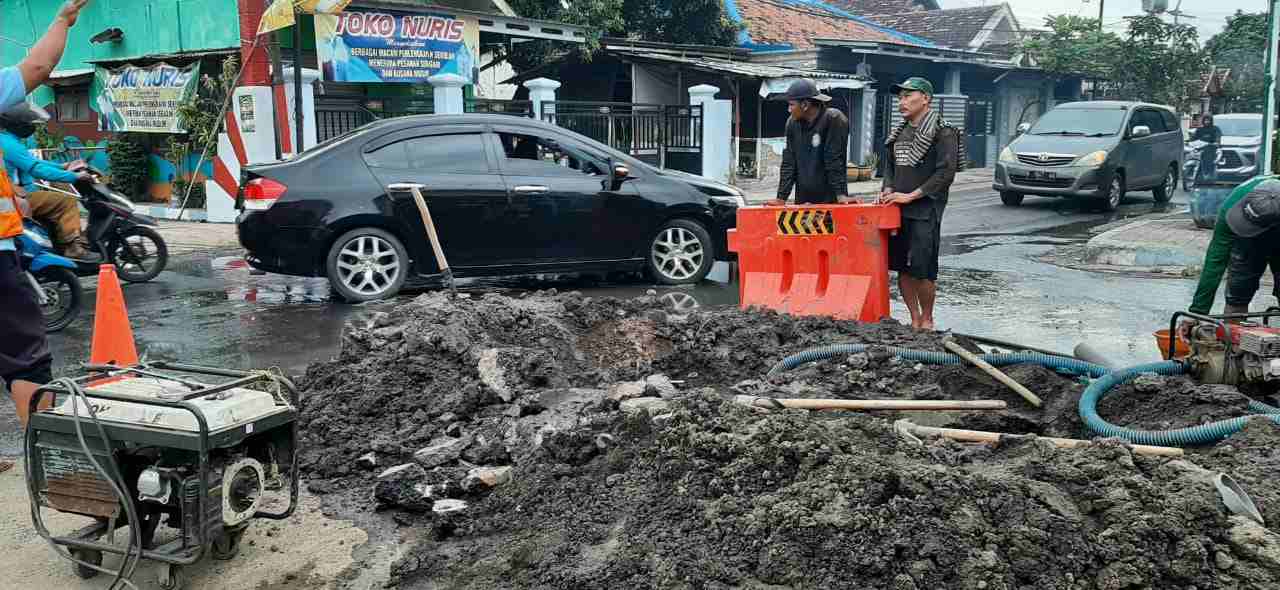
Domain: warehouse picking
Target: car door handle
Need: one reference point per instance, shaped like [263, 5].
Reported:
[531, 190]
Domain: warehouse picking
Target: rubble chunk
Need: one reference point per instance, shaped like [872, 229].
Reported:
[659, 386]
[441, 451]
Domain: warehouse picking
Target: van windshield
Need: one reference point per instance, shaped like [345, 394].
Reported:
[1081, 122]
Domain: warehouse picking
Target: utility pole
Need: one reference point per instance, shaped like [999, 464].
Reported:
[1265, 152]
[1102, 4]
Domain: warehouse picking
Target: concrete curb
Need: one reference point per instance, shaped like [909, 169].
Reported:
[162, 212]
[1149, 243]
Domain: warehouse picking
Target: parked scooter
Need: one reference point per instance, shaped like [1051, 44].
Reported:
[123, 238]
[53, 277]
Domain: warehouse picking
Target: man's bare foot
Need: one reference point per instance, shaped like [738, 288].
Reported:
[926, 325]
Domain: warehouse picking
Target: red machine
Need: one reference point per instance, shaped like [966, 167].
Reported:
[830, 260]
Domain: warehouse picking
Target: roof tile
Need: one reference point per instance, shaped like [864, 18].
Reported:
[774, 23]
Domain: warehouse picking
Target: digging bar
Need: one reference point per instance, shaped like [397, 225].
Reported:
[905, 426]
[416, 190]
[863, 405]
[994, 372]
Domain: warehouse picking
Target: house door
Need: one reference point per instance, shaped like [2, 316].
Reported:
[980, 129]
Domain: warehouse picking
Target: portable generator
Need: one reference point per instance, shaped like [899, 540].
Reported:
[137, 447]
[1232, 350]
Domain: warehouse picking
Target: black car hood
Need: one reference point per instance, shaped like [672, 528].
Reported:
[702, 183]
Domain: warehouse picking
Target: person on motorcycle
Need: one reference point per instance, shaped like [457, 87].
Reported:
[25, 359]
[1211, 135]
[57, 211]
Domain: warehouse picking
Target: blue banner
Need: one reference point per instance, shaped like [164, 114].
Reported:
[368, 45]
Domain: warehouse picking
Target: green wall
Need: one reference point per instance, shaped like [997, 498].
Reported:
[150, 27]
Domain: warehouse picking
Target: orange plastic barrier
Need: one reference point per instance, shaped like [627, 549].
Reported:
[830, 260]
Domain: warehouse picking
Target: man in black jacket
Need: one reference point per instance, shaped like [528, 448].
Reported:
[922, 154]
[814, 161]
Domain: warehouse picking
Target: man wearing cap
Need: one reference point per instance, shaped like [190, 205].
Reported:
[25, 359]
[922, 156]
[815, 160]
[1246, 239]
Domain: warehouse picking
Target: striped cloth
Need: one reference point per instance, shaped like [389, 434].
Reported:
[923, 140]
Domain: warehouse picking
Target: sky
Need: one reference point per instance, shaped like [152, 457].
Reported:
[1210, 15]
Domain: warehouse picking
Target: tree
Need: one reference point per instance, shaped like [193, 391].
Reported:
[1156, 59]
[1241, 47]
[699, 22]
[1073, 46]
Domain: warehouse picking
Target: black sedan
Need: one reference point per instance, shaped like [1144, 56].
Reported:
[508, 196]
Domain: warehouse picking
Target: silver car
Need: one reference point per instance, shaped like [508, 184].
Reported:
[1097, 150]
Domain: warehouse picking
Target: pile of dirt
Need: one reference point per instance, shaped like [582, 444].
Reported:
[562, 441]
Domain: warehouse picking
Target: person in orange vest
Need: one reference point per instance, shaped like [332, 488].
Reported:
[25, 360]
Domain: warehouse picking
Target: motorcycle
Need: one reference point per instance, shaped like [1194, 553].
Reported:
[124, 238]
[1191, 163]
[53, 278]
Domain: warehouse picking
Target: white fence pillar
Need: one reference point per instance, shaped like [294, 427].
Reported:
[541, 90]
[447, 90]
[717, 132]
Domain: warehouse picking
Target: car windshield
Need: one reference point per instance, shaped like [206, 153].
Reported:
[1241, 127]
[1085, 122]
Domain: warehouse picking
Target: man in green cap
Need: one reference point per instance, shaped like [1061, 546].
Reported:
[1246, 239]
[922, 156]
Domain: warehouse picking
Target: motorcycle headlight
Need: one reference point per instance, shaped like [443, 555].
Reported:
[1006, 155]
[1092, 160]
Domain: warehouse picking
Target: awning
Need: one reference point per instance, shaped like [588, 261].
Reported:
[780, 85]
[181, 57]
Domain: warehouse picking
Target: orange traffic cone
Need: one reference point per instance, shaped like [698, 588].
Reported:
[112, 336]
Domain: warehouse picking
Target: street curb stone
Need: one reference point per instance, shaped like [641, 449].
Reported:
[1150, 243]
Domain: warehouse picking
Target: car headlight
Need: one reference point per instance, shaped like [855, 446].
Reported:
[1006, 155]
[1092, 160]
[735, 200]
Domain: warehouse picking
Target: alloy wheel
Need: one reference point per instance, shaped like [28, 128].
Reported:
[1117, 191]
[368, 265]
[678, 253]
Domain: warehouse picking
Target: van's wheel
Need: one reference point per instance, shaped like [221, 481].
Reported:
[92, 556]
[1115, 193]
[1011, 199]
[681, 253]
[1165, 191]
[367, 264]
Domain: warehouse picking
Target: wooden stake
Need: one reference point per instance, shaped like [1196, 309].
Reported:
[994, 437]
[994, 372]
[871, 404]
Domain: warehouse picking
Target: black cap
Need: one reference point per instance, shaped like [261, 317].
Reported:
[804, 89]
[1258, 212]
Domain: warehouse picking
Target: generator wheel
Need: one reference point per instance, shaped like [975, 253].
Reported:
[227, 545]
[172, 577]
[88, 556]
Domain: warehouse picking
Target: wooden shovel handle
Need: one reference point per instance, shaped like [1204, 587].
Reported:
[1064, 443]
[994, 372]
[875, 404]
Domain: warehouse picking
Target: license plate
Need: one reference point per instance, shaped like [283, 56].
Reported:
[1042, 175]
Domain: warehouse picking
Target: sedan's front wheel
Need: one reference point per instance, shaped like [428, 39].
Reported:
[367, 264]
[681, 253]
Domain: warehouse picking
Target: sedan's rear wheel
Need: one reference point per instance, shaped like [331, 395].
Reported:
[681, 253]
[367, 264]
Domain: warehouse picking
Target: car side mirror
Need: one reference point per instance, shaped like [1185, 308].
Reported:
[1140, 131]
[621, 174]
[1023, 128]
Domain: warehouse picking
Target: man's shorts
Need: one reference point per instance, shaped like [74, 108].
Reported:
[24, 351]
[1250, 258]
[916, 248]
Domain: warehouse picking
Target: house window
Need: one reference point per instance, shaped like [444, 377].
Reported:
[74, 106]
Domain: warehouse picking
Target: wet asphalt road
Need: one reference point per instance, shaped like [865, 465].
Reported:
[208, 309]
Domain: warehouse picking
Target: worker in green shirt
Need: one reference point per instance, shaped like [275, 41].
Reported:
[1246, 238]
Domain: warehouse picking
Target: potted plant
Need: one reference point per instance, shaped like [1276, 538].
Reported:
[873, 160]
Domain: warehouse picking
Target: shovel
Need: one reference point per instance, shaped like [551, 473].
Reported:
[416, 190]
[866, 405]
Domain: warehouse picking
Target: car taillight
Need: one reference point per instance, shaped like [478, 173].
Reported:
[264, 189]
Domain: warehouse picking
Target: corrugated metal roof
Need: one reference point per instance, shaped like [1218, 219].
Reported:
[735, 67]
[158, 57]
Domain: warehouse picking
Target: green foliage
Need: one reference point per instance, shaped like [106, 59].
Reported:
[698, 22]
[48, 138]
[130, 164]
[1156, 60]
[1241, 47]
[202, 115]
[1073, 46]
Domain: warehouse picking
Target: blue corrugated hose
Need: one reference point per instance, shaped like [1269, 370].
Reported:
[1104, 383]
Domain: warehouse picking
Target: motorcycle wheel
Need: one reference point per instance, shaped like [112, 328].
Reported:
[65, 297]
[139, 254]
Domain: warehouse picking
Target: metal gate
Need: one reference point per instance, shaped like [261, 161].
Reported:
[666, 136]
